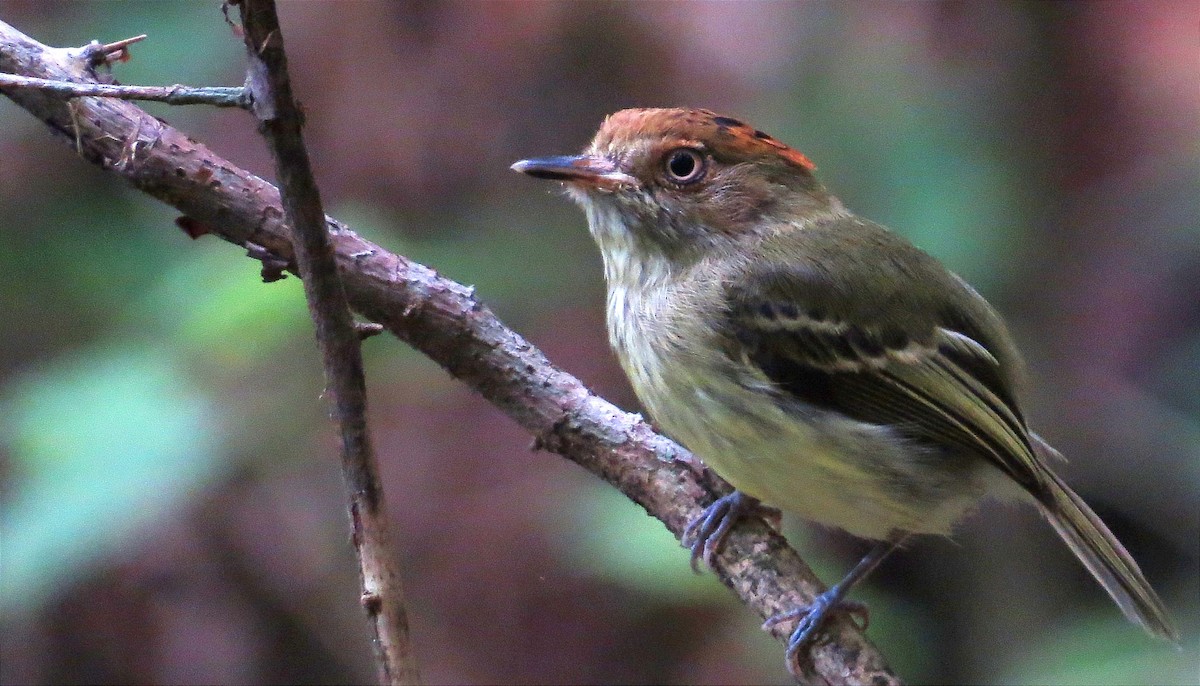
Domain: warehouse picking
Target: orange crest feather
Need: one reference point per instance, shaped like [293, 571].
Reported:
[730, 134]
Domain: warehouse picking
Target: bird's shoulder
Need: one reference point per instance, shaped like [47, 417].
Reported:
[885, 294]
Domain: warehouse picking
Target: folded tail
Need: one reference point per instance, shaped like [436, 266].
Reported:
[1105, 558]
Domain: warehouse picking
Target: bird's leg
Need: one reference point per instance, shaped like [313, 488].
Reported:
[812, 616]
[707, 532]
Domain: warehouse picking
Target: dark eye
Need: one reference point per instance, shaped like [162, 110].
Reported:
[684, 165]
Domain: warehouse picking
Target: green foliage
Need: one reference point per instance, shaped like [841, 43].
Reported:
[617, 540]
[521, 265]
[111, 436]
[1102, 653]
[904, 143]
[105, 442]
[212, 308]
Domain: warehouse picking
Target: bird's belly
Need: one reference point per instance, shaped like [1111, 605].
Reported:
[823, 466]
[826, 468]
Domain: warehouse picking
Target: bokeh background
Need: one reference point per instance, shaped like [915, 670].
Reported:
[172, 509]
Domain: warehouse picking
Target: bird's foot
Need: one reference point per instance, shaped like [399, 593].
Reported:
[812, 617]
[707, 532]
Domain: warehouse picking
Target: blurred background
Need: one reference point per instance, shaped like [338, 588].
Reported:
[172, 504]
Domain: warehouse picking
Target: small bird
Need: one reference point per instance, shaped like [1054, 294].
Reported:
[817, 361]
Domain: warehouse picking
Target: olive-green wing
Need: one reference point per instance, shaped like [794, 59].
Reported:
[901, 364]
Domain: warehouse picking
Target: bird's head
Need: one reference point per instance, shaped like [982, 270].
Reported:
[678, 183]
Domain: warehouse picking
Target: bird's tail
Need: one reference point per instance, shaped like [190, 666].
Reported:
[1105, 558]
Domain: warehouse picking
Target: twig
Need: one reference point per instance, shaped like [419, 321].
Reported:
[443, 319]
[368, 329]
[337, 337]
[97, 54]
[217, 96]
[121, 45]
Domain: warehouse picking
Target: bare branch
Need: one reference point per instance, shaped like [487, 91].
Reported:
[445, 321]
[338, 338]
[217, 96]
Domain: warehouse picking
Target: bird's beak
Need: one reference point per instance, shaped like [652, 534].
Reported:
[584, 170]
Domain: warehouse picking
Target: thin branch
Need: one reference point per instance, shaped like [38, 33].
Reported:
[217, 96]
[337, 337]
[97, 53]
[444, 320]
[121, 45]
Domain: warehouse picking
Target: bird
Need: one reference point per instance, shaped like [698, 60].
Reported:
[817, 361]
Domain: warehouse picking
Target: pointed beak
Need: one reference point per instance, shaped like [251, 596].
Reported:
[584, 170]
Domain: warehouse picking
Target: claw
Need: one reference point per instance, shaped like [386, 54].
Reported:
[707, 532]
[812, 617]
[859, 613]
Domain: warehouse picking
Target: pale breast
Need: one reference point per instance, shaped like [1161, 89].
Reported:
[766, 442]
[821, 466]
[690, 388]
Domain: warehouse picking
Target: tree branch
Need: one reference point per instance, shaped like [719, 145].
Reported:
[280, 122]
[217, 96]
[444, 320]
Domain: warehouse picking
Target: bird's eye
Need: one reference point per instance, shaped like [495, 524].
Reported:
[684, 165]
